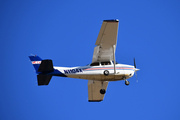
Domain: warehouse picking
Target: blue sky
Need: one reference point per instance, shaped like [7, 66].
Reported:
[66, 31]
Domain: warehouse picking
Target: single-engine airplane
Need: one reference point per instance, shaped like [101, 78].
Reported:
[103, 68]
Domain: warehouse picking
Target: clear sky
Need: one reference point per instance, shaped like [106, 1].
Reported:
[66, 32]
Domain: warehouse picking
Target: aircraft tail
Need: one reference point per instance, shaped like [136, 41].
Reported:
[42, 67]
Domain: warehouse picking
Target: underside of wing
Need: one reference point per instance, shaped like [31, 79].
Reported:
[106, 41]
[94, 88]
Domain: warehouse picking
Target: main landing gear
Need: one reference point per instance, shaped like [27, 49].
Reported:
[106, 72]
[102, 91]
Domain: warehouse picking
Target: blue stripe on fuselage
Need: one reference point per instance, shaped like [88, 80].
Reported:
[56, 73]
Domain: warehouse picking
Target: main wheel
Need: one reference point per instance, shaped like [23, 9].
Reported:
[102, 91]
[127, 82]
[106, 72]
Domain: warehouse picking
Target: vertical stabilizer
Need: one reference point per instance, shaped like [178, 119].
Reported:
[36, 61]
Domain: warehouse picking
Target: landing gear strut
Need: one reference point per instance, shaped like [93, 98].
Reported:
[102, 91]
[126, 82]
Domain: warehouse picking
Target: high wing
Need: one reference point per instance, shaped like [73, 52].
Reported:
[106, 41]
[94, 88]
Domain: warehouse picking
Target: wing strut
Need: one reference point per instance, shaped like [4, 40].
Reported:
[113, 47]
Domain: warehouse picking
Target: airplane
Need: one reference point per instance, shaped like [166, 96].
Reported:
[99, 73]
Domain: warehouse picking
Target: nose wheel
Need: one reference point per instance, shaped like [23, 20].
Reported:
[127, 82]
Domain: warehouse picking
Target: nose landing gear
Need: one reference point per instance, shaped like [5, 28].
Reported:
[126, 81]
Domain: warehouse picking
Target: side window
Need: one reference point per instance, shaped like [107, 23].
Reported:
[106, 63]
[94, 64]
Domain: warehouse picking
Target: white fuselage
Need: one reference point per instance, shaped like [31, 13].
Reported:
[97, 72]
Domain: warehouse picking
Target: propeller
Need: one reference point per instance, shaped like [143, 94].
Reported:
[135, 69]
[134, 63]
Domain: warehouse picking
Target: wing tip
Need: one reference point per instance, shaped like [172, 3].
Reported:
[94, 100]
[111, 20]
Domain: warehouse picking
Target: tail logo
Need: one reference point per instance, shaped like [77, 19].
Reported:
[36, 62]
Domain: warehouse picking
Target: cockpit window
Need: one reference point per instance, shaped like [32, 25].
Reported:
[106, 63]
[94, 64]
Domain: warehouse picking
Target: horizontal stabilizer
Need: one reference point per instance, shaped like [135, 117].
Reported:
[46, 66]
[44, 79]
